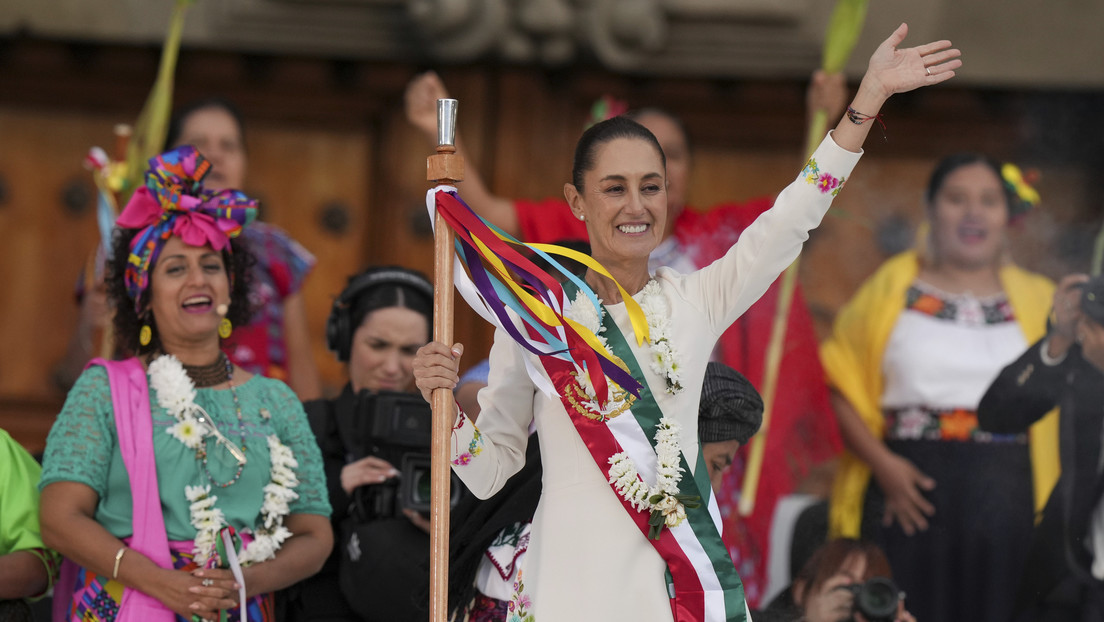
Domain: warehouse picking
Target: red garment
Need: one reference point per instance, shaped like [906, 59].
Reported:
[282, 266]
[803, 430]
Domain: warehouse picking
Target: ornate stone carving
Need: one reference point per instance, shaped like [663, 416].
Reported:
[721, 38]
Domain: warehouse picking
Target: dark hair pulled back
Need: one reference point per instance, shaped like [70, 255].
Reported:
[601, 133]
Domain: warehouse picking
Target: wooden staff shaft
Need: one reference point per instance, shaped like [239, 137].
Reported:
[443, 168]
[443, 406]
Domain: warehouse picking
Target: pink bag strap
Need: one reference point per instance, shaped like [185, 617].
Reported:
[134, 428]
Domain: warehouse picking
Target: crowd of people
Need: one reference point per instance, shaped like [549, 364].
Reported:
[199, 474]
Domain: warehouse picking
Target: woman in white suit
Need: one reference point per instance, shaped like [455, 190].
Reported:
[626, 528]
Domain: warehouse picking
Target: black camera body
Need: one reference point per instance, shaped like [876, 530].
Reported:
[397, 427]
[876, 599]
[1092, 299]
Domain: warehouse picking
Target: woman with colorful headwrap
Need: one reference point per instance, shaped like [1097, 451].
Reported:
[276, 340]
[908, 361]
[178, 482]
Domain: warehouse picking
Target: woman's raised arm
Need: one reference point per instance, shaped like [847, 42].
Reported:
[893, 70]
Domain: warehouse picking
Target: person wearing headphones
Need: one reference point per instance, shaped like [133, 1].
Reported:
[379, 568]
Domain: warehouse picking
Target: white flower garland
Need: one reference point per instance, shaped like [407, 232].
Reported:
[176, 394]
[658, 315]
[663, 501]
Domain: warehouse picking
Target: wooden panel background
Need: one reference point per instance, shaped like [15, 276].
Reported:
[329, 137]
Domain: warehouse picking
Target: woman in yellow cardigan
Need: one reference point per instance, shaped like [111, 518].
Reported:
[908, 361]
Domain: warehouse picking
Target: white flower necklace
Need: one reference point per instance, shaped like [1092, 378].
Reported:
[176, 394]
[663, 501]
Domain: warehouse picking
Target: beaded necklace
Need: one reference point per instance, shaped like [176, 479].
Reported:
[209, 375]
[202, 450]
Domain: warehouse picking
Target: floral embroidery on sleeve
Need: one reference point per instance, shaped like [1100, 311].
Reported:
[825, 182]
[475, 447]
[520, 603]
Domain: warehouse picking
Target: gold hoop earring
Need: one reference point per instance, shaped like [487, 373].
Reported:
[145, 335]
[225, 328]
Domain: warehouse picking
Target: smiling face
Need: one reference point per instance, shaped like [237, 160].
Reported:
[969, 218]
[623, 200]
[383, 349]
[216, 134]
[187, 285]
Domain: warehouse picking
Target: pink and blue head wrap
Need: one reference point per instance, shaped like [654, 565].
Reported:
[174, 202]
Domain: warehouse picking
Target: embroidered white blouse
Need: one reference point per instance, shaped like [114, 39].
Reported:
[587, 560]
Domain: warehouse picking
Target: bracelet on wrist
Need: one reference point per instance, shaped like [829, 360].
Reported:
[858, 118]
[118, 558]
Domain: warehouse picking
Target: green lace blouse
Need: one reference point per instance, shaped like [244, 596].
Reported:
[82, 447]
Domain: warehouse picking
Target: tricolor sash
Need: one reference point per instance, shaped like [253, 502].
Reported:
[703, 584]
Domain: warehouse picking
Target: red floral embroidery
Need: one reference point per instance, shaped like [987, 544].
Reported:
[958, 425]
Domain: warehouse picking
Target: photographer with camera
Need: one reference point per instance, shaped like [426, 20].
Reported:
[375, 439]
[844, 580]
[1064, 579]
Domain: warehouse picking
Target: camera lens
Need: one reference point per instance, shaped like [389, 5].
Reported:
[878, 599]
[421, 486]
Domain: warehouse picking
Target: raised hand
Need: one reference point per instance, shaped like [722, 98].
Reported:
[893, 69]
[421, 102]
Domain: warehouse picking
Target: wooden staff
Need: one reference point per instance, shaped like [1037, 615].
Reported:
[446, 167]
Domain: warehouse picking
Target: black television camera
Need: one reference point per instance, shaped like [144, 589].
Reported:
[876, 599]
[396, 427]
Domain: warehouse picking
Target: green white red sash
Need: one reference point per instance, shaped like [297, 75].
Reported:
[705, 584]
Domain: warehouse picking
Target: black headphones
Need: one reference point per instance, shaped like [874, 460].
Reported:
[339, 328]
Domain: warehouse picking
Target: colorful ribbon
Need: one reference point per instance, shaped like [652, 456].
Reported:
[174, 202]
[507, 280]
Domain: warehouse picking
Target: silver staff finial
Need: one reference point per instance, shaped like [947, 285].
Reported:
[446, 122]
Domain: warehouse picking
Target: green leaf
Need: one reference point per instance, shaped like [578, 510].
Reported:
[152, 126]
[843, 32]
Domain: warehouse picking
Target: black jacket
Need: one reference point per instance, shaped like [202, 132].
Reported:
[1023, 392]
[396, 553]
